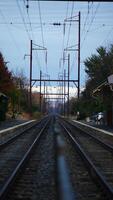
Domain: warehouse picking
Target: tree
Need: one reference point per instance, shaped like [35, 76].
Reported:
[6, 82]
[6, 87]
[20, 95]
[97, 67]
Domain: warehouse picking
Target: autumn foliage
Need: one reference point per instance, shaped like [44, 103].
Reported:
[6, 82]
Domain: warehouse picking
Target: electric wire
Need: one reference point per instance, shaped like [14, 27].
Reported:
[108, 34]
[83, 29]
[40, 16]
[64, 25]
[42, 32]
[62, 51]
[70, 24]
[21, 14]
[91, 22]
[72, 8]
[26, 29]
[33, 37]
[29, 21]
[10, 32]
[86, 19]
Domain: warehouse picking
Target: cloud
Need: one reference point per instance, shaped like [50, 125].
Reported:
[55, 90]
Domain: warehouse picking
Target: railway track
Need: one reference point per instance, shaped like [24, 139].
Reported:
[107, 138]
[17, 133]
[97, 155]
[15, 152]
[58, 162]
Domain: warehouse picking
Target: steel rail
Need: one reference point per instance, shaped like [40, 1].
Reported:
[7, 186]
[105, 145]
[64, 185]
[95, 173]
[13, 138]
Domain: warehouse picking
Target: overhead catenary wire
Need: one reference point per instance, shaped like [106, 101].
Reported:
[21, 14]
[86, 19]
[42, 33]
[33, 37]
[40, 16]
[62, 50]
[10, 32]
[108, 34]
[70, 25]
[29, 21]
[91, 22]
[83, 29]
[64, 25]
[26, 29]
[69, 30]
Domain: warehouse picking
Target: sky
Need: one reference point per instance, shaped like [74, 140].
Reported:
[18, 26]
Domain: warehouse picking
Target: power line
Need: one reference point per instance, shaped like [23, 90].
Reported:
[36, 57]
[21, 14]
[41, 22]
[42, 33]
[85, 22]
[63, 32]
[70, 25]
[9, 31]
[91, 22]
[110, 31]
[29, 37]
[29, 20]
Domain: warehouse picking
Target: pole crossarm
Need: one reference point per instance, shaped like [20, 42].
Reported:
[55, 94]
[69, 49]
[75, 84]
[53, 98]
[53, 80]
[70, 19]
[40, 47]
[26, 55]
[33, 83]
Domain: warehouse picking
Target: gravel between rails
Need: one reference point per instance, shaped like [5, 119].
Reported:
[38, 181]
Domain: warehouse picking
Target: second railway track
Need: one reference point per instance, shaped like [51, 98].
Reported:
[13, 152]
[99, 155]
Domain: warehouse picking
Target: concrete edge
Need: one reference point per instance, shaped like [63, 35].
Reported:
[17, 126]
[97, 129]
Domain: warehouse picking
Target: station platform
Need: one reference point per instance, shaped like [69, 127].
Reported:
[97, 127]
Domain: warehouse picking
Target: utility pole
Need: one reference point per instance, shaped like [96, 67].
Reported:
[64, 90]
[73, 48]
[44, 106]
[30, 92]
[68, 83]
[79, 20]
[40, 92]
[33, 47]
